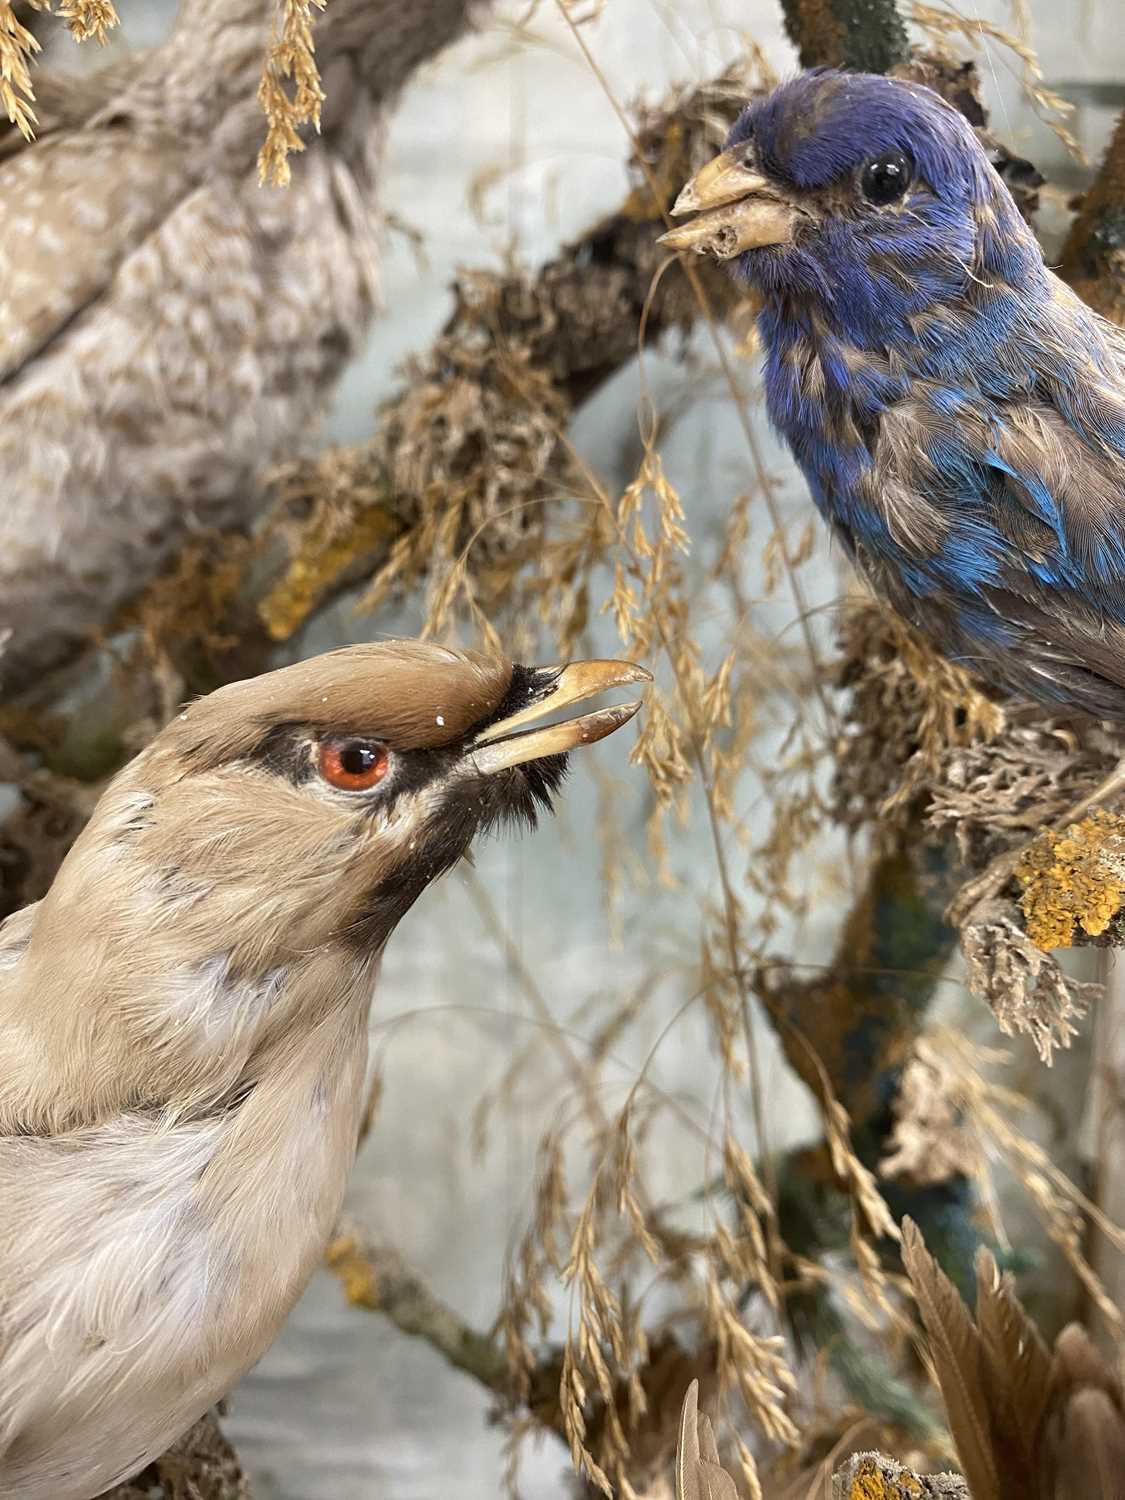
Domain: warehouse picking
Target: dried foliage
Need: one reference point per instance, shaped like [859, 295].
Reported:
[942, 21]
[468, 462]
[290, 92]
[17, 47]
[85, 20]
[996, 780]
[932, 1141]
[289, 58]
[908, 710]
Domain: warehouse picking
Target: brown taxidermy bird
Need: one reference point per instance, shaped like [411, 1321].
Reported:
[183, 1024]
[1030, 1423]
[169, 329]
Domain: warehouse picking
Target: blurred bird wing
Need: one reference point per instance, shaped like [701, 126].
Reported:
[1018, 1375]
[71, 209]
[958, 1356]
[699, 1475]
[1083, 1439]
[1086, 1446]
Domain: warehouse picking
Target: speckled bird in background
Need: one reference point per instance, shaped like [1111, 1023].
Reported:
[958, 413]
[170, 330]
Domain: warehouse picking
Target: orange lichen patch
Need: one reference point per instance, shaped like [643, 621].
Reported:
[345, 1257]
[331, 544]
[1073, 879]
[868, 1483]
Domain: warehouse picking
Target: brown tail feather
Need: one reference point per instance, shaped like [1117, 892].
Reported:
[958, 1355]
[699, 1475]
[1017, 1368]
[1082, 1443]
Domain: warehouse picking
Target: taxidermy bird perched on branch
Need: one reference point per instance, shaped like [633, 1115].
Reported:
[958, 413]
[183, 1024]
[168, 327]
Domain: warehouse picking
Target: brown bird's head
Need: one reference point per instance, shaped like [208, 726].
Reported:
[332, 792]
[239, 878]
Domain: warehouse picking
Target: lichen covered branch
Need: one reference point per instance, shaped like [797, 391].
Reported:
[872, 1476]
[377, 1279]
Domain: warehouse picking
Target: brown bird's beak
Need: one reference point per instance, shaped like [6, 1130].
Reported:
[736, 209]
[512, 741]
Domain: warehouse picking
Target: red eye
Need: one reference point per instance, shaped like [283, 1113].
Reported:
[353, 765]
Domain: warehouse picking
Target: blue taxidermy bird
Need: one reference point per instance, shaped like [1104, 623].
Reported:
[958, 413]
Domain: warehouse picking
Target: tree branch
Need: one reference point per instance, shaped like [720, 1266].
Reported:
[870, 1475]
[867, 35]
[377, 1279]
[158, 152]
[1093, 258]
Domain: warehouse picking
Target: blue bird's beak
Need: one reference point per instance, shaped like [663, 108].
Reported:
[736, 209]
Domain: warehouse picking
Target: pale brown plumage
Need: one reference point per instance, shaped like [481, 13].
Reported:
[168, 328]
[699, 1473]
[183, 1026]
[1030, 1423]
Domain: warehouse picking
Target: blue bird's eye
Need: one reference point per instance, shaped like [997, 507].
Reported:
[886, 178]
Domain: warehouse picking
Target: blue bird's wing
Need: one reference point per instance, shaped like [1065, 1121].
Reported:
[1009, 530]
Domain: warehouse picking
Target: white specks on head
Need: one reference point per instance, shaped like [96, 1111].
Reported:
[440, 720]
[325, 698]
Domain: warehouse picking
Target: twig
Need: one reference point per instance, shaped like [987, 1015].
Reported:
[377, 1279]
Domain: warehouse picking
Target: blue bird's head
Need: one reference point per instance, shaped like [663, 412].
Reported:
[861, 200]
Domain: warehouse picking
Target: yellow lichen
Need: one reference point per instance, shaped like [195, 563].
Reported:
[869, 1484]
[328, 550]
[346, 1259]
[1073, 879]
